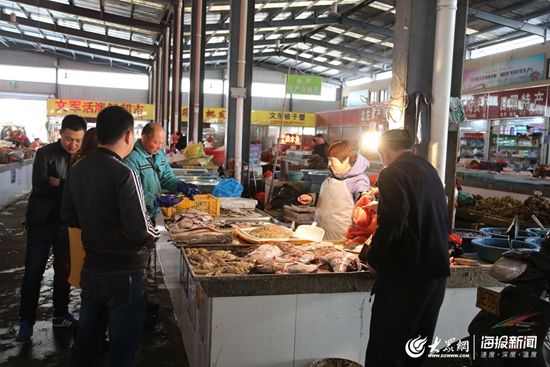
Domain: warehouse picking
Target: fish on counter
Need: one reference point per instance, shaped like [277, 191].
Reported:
[189, 220]
[282, 258]
[201, 236]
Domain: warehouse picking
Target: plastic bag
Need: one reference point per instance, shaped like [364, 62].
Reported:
[195, 150]
[228, 188]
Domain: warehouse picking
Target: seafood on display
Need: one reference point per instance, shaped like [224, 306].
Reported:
[271, 231]
[240, 213]
[282, 258]
[189, 220]
[201, 235]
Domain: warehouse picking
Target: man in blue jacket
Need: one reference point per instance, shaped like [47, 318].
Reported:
[149, 161]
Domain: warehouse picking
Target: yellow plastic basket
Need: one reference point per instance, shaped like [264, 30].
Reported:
[205, 203]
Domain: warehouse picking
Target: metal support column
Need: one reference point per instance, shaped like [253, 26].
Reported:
[158, 85]
[412, 63]
[175, 120]
[237, 132]
[196, 93]
[166, 75]
[456, 91]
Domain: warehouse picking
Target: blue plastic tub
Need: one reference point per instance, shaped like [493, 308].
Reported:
[467, 236]
[498, 232]
[538, 231]
[318, 177]
[534, 240]
[491, 249]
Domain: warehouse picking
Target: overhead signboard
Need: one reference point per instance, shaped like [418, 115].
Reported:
[86, 108]
[514, 71]
[304, 84]
[217, 115]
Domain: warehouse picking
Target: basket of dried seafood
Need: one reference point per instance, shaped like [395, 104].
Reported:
[205, 203]
[267, 234]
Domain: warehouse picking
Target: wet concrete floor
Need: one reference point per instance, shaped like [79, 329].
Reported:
[161, 344]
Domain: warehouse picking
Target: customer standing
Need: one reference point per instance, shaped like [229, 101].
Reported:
[409, 252]
[148, 160]
[104, 198]
[44, 229]
[320, 147]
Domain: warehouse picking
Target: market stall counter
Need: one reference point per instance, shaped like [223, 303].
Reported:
[289, 319]
[15, 180]
[497, 184]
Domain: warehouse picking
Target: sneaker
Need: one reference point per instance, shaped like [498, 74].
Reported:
[65, 321]
[25, 332]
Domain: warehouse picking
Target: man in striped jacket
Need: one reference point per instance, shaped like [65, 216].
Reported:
[104, 198]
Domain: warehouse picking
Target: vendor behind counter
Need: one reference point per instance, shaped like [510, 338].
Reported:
[341, 189]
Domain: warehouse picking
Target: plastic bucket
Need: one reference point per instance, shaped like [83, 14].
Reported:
[499, 232]
[491, 249]
[538, 231]
[467, 236]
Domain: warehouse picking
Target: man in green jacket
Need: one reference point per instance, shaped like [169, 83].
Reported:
[149, 161]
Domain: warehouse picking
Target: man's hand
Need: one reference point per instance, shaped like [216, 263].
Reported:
[187, 189]
[54, 181]
[167, 201]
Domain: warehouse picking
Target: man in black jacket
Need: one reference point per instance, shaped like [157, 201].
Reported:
[409, 252]
[44, 229]
[104, 198]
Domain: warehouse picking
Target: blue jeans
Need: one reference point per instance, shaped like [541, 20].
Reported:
[39, 241]
[113, 300]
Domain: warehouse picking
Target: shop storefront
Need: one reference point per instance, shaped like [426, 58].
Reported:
[267, 126]
[58, 108]
[505, 129]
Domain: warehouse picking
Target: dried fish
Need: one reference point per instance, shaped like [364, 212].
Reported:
[271, 231]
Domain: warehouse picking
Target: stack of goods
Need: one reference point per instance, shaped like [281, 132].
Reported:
[281, 258]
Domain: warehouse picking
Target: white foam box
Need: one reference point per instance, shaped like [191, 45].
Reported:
[238, 203]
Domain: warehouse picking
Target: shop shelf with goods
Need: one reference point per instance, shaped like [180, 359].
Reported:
[518, 145]
[472, 145]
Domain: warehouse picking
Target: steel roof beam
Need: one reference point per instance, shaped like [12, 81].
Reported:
[331, 20]
[78, 57]
[507, 22]
[71, 47]
[80, 33]
[345, 50]
[284, 70]
[93, 14]
[350, 51]
[223, 59]
[525, 17]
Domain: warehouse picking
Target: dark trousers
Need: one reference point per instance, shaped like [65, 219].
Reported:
[113, 301]
[39, 241]
[402, 311]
